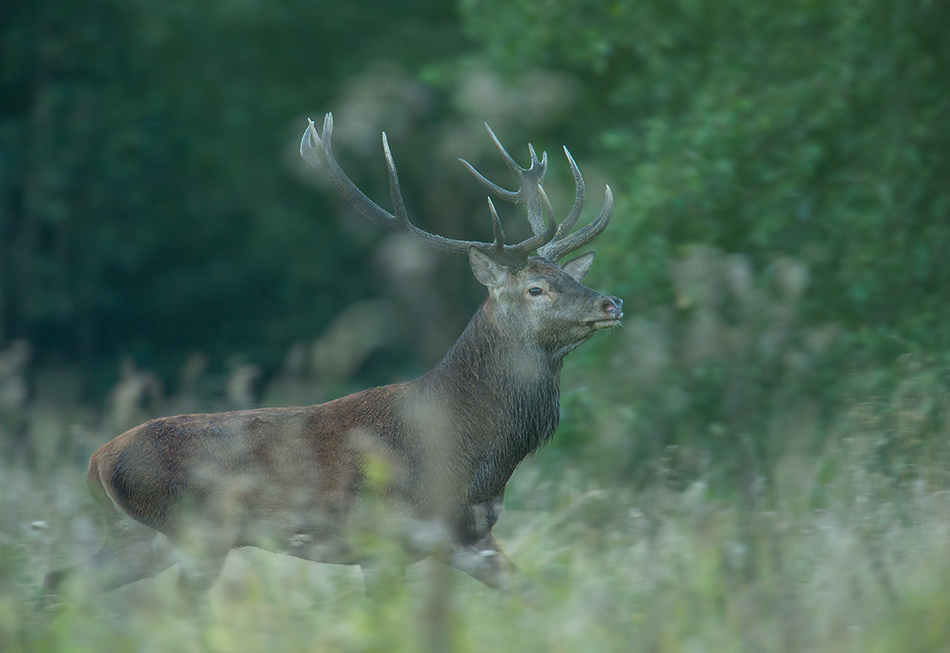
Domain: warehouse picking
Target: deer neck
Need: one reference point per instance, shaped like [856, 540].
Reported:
[504, 398]
[491, 362]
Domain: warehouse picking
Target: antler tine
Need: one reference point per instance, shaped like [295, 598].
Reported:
[538, 241]
[490, 185]
[536, 169]
[399, 205]
[529, 180]
[555, 249]
[530, 194]
[568, 223]
[496, 227]
[316, 150]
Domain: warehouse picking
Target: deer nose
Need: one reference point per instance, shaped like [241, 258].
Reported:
[613, 306]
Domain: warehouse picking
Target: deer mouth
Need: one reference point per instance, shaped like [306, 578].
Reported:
[603, 324]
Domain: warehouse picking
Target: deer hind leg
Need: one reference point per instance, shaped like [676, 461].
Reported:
[198, 573]
[131, 552]
[202, 545]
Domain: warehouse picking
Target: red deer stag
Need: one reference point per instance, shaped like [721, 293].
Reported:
[435, 453]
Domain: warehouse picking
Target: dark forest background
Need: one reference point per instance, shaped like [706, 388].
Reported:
[781, 235]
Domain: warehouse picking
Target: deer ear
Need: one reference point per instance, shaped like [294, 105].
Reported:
[486, 270]
[580, 266]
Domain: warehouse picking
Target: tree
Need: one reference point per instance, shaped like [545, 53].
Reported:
[756, 146]
[143, 205]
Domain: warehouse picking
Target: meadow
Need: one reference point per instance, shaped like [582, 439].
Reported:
[831, 553]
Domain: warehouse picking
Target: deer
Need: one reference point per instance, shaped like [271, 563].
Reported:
[422, 463]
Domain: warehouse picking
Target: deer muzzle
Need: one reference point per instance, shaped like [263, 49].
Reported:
[613, 306]
[611, 310]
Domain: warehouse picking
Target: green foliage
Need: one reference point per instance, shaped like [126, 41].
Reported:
[811, 129]
[794, 138]
[144, 206]
[608, 570]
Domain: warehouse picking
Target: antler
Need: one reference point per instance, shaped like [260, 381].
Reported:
[316, 150]
[550, 245]
[562, 244]
[548, 239]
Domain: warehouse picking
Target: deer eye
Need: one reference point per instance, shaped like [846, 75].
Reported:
[534, 291]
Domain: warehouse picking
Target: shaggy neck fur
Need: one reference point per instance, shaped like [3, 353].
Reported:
[505, 397]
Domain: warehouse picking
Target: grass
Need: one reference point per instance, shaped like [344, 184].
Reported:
[610, 570]
[845, 548]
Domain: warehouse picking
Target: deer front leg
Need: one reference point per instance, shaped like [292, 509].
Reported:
[484, 561]
[475, 550]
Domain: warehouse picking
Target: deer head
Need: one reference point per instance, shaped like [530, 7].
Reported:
[536, 284]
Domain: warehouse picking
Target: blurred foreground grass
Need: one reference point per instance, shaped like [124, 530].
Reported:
[611, 570]
[832, 534]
